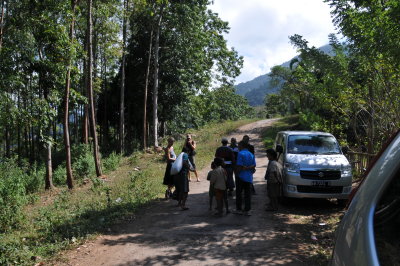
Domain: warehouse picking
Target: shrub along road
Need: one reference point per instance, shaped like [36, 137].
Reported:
[161, 234]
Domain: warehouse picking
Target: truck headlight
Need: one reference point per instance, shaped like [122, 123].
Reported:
[293, 167]
[346, 170]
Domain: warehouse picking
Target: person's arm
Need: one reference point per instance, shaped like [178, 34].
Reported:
[213, 179]
[239, 164]
[232, 155]
[168, 154]
[251, 167]
[193, 144]
[209, 176]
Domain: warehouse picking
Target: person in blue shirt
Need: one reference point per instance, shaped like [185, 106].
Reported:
[245, 166]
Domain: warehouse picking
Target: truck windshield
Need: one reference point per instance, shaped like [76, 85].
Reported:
[313, 144]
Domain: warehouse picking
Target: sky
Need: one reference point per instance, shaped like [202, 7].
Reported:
[260, 30]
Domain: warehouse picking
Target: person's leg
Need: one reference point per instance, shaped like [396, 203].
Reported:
[193, 162]
[219, 196]
[247, 196]
[239, 187]
[226, 201]
[274, 203]
[229, 182]
[183, 201]
[273, 192]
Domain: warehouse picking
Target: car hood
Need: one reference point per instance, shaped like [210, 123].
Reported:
[331, 161]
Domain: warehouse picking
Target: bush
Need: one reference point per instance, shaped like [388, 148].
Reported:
[60, 176]
[83, 163]
[35, 179]
[111, 162]
[12, 194]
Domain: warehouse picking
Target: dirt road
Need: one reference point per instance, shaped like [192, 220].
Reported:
[162, 234]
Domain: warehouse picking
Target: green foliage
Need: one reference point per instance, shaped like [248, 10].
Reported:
[111, 162]
[219, 104]
[60, 175]
[286, 123]
[83, 162]
[34, 179]
[275, 105]
[12, 194]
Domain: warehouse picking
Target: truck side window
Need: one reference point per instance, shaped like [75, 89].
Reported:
[387, 224]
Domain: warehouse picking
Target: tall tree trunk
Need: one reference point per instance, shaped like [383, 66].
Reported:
[2, 14]
[66, 103]
[90, 91]
[122, 93]
[49, 167]
[155, 84]
[146, 87]
[85, 122]
[105, 107]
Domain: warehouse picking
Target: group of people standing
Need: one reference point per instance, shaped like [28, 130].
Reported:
[233, 167]
[238, 164]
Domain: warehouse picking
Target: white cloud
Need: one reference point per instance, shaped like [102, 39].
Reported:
[260, 30]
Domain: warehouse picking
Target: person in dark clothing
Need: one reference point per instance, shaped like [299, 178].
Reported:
[170, 157]
[228, 156]
[250, 147]
[181, 180]
[234, 147]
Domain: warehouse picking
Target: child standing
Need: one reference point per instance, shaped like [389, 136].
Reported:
[218, 178]
[211, 189]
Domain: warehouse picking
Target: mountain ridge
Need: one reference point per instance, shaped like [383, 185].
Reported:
[256, 89]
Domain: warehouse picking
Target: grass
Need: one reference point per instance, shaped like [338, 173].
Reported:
[62, 219]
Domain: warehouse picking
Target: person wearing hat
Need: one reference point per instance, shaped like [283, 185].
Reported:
[228, 155]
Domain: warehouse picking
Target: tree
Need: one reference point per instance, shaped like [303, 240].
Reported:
[155, 81]
[90, 91]
[122, 98]
[67, 143]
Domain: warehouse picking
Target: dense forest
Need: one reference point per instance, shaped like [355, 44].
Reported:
[353, 92]
[115, 75]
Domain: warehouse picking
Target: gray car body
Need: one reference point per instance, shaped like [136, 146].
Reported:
[307, 162]
[355, 241]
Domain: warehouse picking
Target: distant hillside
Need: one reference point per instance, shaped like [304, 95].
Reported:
[255, 90]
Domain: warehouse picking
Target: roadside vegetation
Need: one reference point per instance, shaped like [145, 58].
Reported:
[353, 90]
[35, 226]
